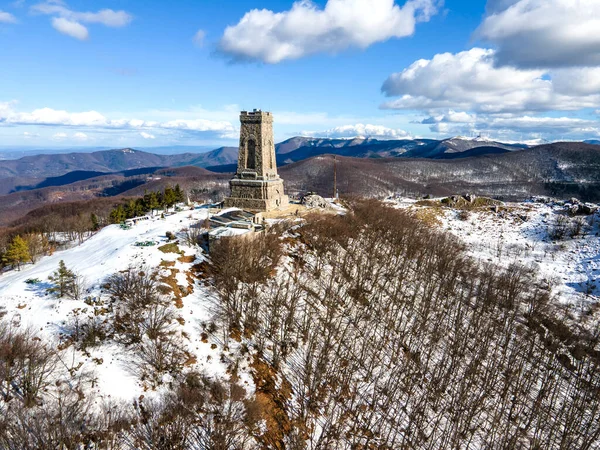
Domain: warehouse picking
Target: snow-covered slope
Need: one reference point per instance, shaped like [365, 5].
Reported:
[519, 233]
[109, 251]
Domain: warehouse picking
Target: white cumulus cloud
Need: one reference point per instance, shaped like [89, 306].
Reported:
[272, 37]
[93, 119]
[360, 130]
[49, 116]
[450, 117]
[470, 81]
[70, 28]
[516, 127]
[59, 136]
[543, 33]
[147, 135]
[79, 136]
[6, 17]
[71, 22]
[577, 81]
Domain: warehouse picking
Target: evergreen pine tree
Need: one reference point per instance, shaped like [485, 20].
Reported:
[17, 253]
[149, 201]
[117, 215]
[153, 203]
[169, 197]
[63, 279]
[95, 223]
[131, 209]
[178, 193]
[140, 207]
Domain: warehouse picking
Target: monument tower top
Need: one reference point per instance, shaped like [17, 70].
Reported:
[256, 186]
[256, 159]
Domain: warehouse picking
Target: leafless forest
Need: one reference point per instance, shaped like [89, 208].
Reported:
[364, 330]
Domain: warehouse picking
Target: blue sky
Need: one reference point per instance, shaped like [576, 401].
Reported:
[130, 73]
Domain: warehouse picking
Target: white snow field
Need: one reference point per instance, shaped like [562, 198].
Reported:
[111, 250]
[518, 233]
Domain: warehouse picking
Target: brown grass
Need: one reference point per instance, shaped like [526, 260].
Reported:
[167, 264]
[190, 361]
[170, 248]
[430, 216]
[236, 334]
[187, 259]
[177, 291]
[202, 271]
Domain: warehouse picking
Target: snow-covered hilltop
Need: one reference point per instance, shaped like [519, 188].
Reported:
[564, 249]
[376, 326]
[512, 233]
[113, 250]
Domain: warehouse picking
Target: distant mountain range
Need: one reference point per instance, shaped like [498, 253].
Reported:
[422, 165]
[299, 148]
[106, 161]
[32, 172]
[20, 152]
[559, 169]
[29, 171]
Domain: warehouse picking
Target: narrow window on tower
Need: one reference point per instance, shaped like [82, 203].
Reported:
[251, 154]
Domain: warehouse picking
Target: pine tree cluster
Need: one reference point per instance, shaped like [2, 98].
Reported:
[150, 202]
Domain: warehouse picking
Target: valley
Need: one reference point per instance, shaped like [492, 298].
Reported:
[560, 169]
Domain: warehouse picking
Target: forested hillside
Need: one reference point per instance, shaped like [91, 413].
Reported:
[560, 170]
[368, 329]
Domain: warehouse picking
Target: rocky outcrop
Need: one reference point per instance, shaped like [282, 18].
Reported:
[577, 208]
[314, 201]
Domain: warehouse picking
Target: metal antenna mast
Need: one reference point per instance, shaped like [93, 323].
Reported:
[335, 176]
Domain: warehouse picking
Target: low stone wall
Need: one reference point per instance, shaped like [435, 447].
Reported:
[256, 195]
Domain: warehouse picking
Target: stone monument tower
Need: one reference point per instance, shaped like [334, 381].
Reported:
[256, 185]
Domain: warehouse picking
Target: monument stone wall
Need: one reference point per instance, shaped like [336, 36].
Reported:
[256, 186]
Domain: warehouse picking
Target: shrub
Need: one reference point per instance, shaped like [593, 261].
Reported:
[559, 228]
[26, 364]
[134, 288]
[464, 215]
[193, 236]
